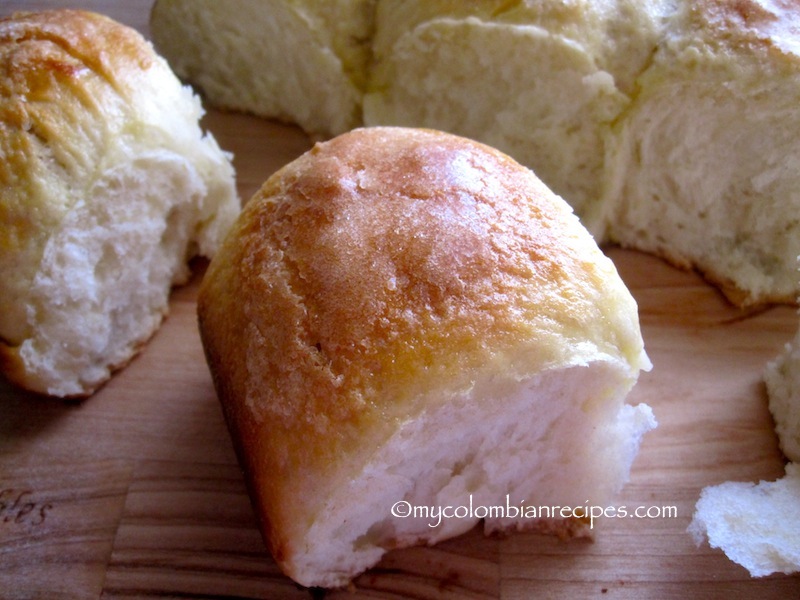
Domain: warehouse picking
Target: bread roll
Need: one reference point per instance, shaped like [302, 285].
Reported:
[404, 315]
[670, 126]
[302, 61]
[107, 187]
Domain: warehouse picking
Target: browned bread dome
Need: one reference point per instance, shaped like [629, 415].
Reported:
[404, 315]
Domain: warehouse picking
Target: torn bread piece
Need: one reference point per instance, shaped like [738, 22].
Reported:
[108, 186]
[756, 525]
[406, 318]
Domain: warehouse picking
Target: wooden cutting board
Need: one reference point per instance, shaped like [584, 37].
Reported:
[135, 492]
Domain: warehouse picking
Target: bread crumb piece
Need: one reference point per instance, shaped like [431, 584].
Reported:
[756, 525]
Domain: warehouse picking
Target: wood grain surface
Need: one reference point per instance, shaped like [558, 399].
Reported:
[136, 493]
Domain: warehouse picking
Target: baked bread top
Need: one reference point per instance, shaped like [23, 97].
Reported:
[439, 248]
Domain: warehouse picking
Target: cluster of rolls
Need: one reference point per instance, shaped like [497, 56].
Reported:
[670, 126]
[399, 315]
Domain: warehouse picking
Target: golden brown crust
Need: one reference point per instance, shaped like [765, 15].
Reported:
[65, 41]
[373, 277]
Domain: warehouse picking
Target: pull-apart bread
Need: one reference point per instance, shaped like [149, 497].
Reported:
[704, 165]
[107, 187]
[671, 126]
[403, 317]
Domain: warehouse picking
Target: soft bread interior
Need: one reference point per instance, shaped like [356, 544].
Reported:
[109, 186]
[756, 525]
[303, 45]
[703, 169]
[103, 283]
[558, 439]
